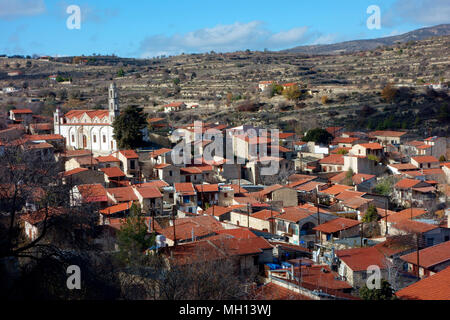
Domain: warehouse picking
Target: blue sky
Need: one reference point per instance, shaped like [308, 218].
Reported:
[148, 28]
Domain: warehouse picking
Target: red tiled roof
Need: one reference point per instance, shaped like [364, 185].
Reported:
[39, 216]
[117, 208]
[155, 183]
[407, 183]
[21, 111]
[218, 211]
[403, 166]
[113, 172]
[406, 214]
[149, 192]
[336, 225]
[129, 154]
[412, 226]
[387, 134]
[294, 214]
[74, 171]
[123, 194]
[336, 189]
[239, 233]
[93, 193]
[359, 259]
[90, 113]
[37, 137]
[207, 188]
[431, 256]
[349, 194]
[424, 159]
[336, 159]
[265, 214]
[435, 287]
[159, 152]
[372, 146]
[310, 186]
[185, 188]
[191, 170]
[107, 159]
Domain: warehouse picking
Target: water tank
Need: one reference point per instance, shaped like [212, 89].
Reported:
[160, 241]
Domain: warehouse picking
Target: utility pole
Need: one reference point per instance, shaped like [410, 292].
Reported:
[248, 215]
[174, 209]
[417, 240]
[386, 213]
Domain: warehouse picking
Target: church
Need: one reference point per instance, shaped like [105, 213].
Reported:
[90, 129]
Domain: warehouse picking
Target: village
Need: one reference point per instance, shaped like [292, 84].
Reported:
[339, 203]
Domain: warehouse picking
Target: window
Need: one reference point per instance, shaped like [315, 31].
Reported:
[73, 138]
[95, 138]
[225, 195]
[104, 139]
[170, 173]
[132, 165]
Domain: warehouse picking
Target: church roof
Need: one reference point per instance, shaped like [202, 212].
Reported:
[90, 113]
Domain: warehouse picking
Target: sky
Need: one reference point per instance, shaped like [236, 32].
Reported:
[149, 28]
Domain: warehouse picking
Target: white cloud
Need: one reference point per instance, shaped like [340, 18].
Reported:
[10, 9]
[223, 38]
[325, 39]
[426, 12]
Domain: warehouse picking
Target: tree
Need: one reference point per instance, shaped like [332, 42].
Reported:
[371, 214]
[384, 293]
[386, 186]
[442, 158]
[133, 238]
[120, 73]
[324, 100]
[128, 128]
[348, 177]
[292, 93]
[388, 93]
[318, 135]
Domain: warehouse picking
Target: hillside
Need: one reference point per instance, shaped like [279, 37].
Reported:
[220, 83]
[370, 44]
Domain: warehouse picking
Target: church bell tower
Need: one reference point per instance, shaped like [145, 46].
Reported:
[113, 102]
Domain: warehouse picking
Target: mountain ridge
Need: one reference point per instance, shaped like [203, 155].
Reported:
[370, 44]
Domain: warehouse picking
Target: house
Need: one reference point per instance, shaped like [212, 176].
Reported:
[150, 199]
[129, 162]
[223, 213]
[354, 263]
[399, 168]
[174, 106]
[430, 260]
[435, 287]
[420, 193]
[278, 193]
[34, 221]
[185, 197]
[21, 115]
[339, 228]
[388, 137]
[296, 222]
[332, 163]
[114, 177]
[80, 175]
[367, 149]
[262, 220]
[342, 142]
[94, 194]
[107, 162]
[41, 128]
[263, 85]
[425, 162]
[121, 194]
